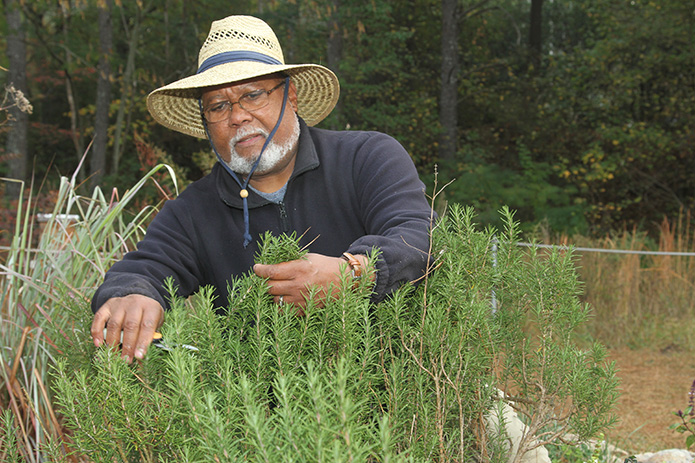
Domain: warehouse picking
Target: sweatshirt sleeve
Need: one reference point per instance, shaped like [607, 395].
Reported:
[395, 213]
[167, 250]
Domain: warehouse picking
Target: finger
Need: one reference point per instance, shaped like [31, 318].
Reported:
[264, 271]
[282, 288]
[131, 332]
[281, 271]
[151, 320]
[286, 299]
[114, 326]
[98, 325]
[297, 304]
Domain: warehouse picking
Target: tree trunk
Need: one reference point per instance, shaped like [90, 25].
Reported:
[167, 37]
[97, 166]
[334, 50]
[536, 32]
[16, 143]
[449, 81]
[75, 129]
[74, 111]
[126, 92]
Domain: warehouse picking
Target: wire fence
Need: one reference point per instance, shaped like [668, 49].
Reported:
[608, 251]
[495, 242]
[528, 245]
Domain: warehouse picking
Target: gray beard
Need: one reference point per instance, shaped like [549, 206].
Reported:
[273, 154]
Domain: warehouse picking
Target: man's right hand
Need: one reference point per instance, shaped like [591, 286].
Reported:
[136, 315]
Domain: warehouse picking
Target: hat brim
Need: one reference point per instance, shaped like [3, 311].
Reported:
[176, 105]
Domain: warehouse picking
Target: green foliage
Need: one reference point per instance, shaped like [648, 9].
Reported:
[595, 138]
[413, 378]
[620, 115]
[593, 452]
[529, 190]
[8, 438]
[686, 424]
[277, 249]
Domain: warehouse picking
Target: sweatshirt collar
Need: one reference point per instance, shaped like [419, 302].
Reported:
[306, 159]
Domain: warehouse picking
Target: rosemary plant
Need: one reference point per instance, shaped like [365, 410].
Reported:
[414, 378]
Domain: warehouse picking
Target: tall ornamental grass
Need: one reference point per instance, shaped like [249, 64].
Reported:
[81, 239]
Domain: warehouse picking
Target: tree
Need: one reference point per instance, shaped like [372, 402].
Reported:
[622, 119]
[454, 15]
[334, 50]
[16, 143]
[448, 99]
[597, 129]
[76, 129]
[536, 32]
[101, 120]
[127, 81]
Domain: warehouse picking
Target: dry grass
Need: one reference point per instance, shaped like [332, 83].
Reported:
[642, 301]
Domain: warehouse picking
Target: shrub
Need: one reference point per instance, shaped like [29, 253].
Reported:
[414, 378]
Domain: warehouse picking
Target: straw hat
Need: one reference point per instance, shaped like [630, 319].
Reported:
[239, 48]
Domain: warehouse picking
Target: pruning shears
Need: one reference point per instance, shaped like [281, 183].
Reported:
[158, 341]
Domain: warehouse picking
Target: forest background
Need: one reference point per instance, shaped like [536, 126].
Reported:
[577, 114]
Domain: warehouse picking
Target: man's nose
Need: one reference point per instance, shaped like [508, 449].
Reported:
[238, 115]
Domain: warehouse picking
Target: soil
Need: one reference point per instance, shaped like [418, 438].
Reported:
[654, 385]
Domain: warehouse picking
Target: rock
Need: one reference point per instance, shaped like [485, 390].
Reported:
[514, 431]
[666, 456]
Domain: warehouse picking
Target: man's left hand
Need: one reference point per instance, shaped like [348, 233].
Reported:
[291, 281]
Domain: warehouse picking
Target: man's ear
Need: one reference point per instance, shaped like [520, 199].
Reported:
[292, 96]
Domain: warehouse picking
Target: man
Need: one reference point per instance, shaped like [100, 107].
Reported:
[346, 193]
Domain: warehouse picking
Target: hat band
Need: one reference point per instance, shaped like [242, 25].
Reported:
[232, 56]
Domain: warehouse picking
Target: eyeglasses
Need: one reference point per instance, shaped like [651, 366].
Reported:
[252, 101]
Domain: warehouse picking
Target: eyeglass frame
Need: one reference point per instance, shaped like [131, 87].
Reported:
[231, 104]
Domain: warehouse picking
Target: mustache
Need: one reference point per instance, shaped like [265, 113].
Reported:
[245, 132]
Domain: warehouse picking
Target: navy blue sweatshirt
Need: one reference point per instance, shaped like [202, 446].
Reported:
[349, 191]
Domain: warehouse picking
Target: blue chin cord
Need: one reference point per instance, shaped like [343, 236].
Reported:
[244, 193]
